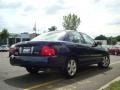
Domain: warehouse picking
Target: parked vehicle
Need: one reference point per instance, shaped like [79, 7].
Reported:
[63, 50]
[107, 47]
[4, 48]
[115, 50]
[12, 50]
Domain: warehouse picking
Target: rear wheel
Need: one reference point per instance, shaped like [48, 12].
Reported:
[70, 68]
[105, 62]
[32, 70]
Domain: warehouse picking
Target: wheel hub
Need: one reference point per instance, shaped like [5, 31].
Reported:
[72, 67]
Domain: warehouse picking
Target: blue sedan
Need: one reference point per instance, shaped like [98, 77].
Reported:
[62, 50]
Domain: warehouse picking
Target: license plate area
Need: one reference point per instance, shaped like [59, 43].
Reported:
[26, 50]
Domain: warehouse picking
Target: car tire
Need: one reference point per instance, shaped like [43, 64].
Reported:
[71, 67]
[104, 63]
[32, 70]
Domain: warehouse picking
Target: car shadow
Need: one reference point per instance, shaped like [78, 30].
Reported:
[28, 80]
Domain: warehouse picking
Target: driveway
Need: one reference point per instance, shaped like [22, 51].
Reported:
[88, 78]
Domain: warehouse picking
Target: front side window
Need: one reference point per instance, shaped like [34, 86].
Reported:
[88, 39]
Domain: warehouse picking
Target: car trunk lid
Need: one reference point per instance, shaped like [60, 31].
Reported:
[28, 48]
[31, 48]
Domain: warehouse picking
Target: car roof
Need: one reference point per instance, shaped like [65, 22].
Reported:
[57, 31]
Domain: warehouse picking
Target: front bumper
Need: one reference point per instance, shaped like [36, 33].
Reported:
[36, 61]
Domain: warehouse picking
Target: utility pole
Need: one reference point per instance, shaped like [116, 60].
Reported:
[35, 29]
[111, 40]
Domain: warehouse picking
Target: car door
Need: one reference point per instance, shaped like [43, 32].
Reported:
[95, 52]
[80, 50]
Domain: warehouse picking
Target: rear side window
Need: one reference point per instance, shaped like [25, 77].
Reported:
[50, 36]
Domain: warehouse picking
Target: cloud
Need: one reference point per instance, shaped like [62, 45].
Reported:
[29, 8]
[22, 28]
[97, 1]
[115, 22]
[9, 5]
[2, 23]
[108, 5]
[54, 9]
[111, 10]
[97, 16]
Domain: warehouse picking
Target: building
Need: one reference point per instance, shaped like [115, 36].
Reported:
[118, 43]
[103, 42]
[33, 35]
[15, 38]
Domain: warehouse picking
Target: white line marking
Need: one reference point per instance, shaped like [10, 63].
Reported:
[42, 84]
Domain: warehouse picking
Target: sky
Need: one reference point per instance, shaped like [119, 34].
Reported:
[97, 16]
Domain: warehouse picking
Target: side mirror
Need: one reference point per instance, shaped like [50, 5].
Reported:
[96, 44]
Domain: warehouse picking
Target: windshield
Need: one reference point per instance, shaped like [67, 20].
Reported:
[50, 36]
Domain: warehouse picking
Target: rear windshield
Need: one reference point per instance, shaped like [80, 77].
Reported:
[50, 36]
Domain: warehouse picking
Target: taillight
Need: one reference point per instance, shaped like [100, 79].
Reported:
[47, 51]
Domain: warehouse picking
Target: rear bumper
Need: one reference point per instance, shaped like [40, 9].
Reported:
[40, 62]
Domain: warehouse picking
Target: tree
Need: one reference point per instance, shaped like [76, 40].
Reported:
[114, 41]
[109, 40]
[118, 38]
[0, 35]
[101, 37]
[4, 35]
[52, 28]
[0, 39]
[71, 22]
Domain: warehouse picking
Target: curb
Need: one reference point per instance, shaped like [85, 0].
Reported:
[106, 85]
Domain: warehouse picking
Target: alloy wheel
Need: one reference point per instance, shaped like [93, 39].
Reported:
[106, 62]
[72, 67]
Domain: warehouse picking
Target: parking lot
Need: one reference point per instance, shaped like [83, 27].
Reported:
[88, 78]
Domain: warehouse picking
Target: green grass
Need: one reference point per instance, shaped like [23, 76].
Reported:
[114, 86]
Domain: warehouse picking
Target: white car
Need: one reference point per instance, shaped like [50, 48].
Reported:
[4, 48]
[107, 47]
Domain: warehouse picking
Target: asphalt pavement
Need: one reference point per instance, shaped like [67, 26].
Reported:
[88, 78]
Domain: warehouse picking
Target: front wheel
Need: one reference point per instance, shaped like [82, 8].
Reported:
[32, 70]
[70, 69]
[105, 62]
